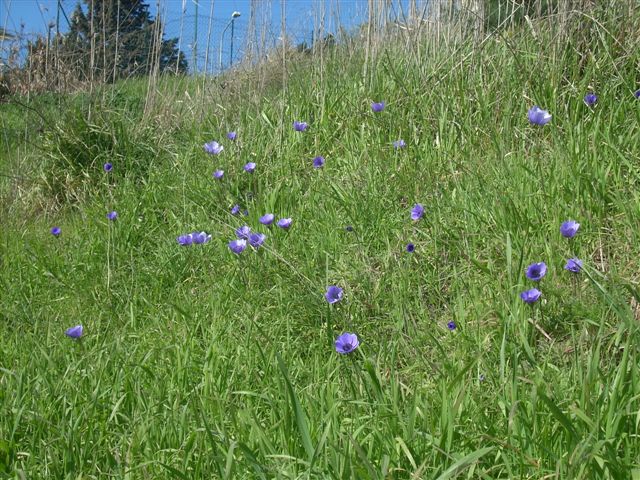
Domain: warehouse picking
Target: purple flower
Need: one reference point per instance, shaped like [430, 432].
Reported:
[243, 232]
[267, 219]
[536, 271]
[218, 174]
[237, 246]
[377, 106]
[284, 222]
[347, 343]
[213, 148]
[334, 294]
[530, 296]
[232, 135]
[56, 231]
[300, 126]
[193, 238]
[112, 215]
[637, 93]
[537, 116]
[185, 240]
[410, 247]
[349, 228]
[74, 332]
[451, 325]
[257, 239]
[235, 210]
[590, 99]
[250, 167]
[200, 237]
[573, 265]
[318, 162]
[399, 144]
[569, 228]
[245, 213]
[417, 211]
[107, 167]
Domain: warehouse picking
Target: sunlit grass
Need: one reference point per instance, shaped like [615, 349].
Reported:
[196, 362]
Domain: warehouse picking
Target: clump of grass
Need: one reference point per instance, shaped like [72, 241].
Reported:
[82, 141]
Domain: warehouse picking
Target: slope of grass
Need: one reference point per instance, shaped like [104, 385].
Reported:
[197, 363]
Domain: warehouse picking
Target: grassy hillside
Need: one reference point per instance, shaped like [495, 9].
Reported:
[196, 362]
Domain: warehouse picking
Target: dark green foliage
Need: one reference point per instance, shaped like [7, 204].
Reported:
[500, 13]
[124, 41]
[7, 453]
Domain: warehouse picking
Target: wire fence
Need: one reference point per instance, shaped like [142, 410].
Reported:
[262, 44]
[204, 37]
[213, 45]
[43, 54]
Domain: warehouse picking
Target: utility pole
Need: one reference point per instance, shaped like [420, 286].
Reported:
[231, 50]
[57, 64]
[194, 62]
[58, 19]
[234, 15]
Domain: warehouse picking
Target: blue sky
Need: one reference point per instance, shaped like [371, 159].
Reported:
[301, 17]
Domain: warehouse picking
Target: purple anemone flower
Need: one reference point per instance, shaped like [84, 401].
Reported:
[530, 296]
[349, 228]
[218, 174]
[257, 239]
[417, 211]
[347, 343]
[536, 271]
[267, 219]
[235, 209]
[112, 215]
[213, 148]
[237, 246]
[451, 325]
[107, 167]
[398, 144]
[377, 106]
[318, 162]
[637, 93]
[250, 167]
[185, 240]
[573, 265]
[200, 237]
[590, 99]
[410, 247]
[232, 136]
[569, 228]
[537, 116]
[333, 294]
[74, 332]
[245, 213]
[243, 232]
[284, 222]
[300, 126]
[56, 231]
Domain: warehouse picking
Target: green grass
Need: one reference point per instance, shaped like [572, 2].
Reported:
[200, 364]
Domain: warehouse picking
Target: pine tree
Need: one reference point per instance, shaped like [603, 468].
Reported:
[123, 41]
